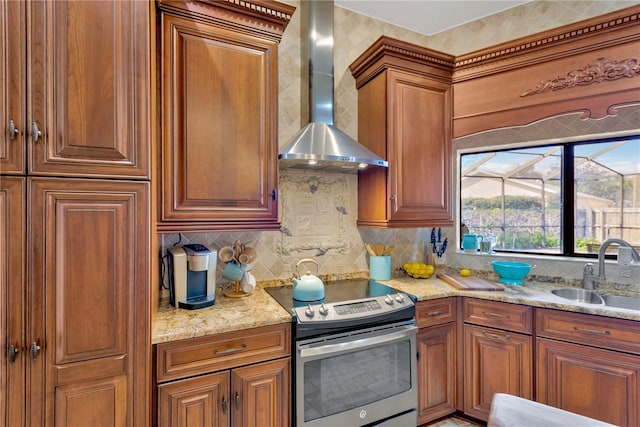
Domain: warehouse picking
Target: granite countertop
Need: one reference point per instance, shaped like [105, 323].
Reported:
[259, 309]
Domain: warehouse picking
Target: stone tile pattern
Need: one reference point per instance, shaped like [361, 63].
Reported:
[318, 213]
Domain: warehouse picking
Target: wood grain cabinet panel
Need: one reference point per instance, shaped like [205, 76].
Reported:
[239, 378]
[404, 116]
[436, 371]
[219, 116]
[13, 281]
[89, 91]
[597, 383]
[195, 402]
[495, 361]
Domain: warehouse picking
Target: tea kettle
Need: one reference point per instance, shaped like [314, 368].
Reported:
[308, 287]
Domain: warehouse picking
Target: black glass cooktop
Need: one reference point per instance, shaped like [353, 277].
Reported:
[336, 291]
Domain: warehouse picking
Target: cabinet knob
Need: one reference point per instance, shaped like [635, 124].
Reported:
[12, 132]
[35, 132]
[12, 353]
[236, 400]
[35, 349]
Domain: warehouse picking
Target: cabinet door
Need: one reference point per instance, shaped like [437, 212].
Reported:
[420, 149]
[89, 93]
[219, 128]
[13, 358]
[195, 402]
[495, 362]
[87, 306]
[261, 394]
[12, 86]
[436, 372]
[600, 384]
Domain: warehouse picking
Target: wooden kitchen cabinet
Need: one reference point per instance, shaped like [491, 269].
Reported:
[496, 360]
[436, 343]
[74, 284]
[73, 287]
[405, 116]
[218, 155]
[589, 365]
[239, 378]
[64, 111]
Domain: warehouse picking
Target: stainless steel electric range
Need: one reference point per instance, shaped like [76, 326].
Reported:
[354, 355]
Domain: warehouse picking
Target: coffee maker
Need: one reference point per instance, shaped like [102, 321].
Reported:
[192, 276]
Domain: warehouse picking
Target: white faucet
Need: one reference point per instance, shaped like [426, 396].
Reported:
[588, 278]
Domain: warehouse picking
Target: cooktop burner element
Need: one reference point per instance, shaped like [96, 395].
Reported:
[348, 304]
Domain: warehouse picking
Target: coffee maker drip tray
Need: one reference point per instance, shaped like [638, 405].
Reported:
[197, 302]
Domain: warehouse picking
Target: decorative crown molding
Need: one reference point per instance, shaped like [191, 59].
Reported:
[613, 21]
[602, 70]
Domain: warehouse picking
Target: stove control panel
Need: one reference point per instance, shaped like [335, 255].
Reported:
[355, 309]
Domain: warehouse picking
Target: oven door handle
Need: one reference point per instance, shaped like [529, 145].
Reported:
[357, 343]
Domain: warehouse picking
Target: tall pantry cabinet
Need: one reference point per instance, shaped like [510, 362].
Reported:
[75, 102]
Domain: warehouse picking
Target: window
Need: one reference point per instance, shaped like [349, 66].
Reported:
[518, 200]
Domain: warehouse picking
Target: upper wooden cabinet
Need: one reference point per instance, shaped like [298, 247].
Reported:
[404, 116]
[219, 114]
[591, 67]
[79, 103]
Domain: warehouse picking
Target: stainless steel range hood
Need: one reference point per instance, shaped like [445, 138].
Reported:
[319, 145]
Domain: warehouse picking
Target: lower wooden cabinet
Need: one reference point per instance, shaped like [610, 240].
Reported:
[436, 344]
[589, 365]
[496, 360]
[255, 395]
[239, 378]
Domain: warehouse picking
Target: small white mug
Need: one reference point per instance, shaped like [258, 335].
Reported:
[248, 283]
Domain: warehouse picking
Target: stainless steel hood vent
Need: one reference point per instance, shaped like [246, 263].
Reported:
[320, 145]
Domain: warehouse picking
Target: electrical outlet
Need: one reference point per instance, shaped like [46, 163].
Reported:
[625, 273]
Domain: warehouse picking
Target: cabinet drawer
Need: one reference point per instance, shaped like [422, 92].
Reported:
[184, 358]
[435, 312]
[599, 331]
[511, 317]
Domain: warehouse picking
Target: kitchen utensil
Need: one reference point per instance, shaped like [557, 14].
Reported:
[470, 242]
[248, 283]
[380, 267]
[232, 272]
[510, 272]
[469, 283]
[370, 249]
[379, 249]
[225, 254]
[389, 249]
[308, 287]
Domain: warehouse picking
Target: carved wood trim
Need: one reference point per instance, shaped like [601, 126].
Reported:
[577, 37]
[602, 70]
[386, 47]
[265, 16]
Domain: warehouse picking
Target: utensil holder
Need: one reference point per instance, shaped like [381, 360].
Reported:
[380, 267]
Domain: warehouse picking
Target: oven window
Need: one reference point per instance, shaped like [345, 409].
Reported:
[345, 381]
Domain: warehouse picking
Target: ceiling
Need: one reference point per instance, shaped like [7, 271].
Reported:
[428, 16]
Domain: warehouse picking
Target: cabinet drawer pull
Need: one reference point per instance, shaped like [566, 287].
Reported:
[35, 132]
[591, 331]
[12, 131]
[501, 316]
[436, 313]
[495, 336]
[236, 399]
[12, 353]
[224, 405]
[229, 351]
[35, 349]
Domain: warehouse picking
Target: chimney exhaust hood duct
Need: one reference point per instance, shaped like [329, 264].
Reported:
[319, 145]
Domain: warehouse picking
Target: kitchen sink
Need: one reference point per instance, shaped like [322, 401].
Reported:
[579, 295]
[632, 303]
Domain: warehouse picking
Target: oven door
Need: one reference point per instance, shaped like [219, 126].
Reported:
[358, 378]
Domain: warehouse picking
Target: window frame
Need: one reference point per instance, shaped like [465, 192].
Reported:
[567, 185]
